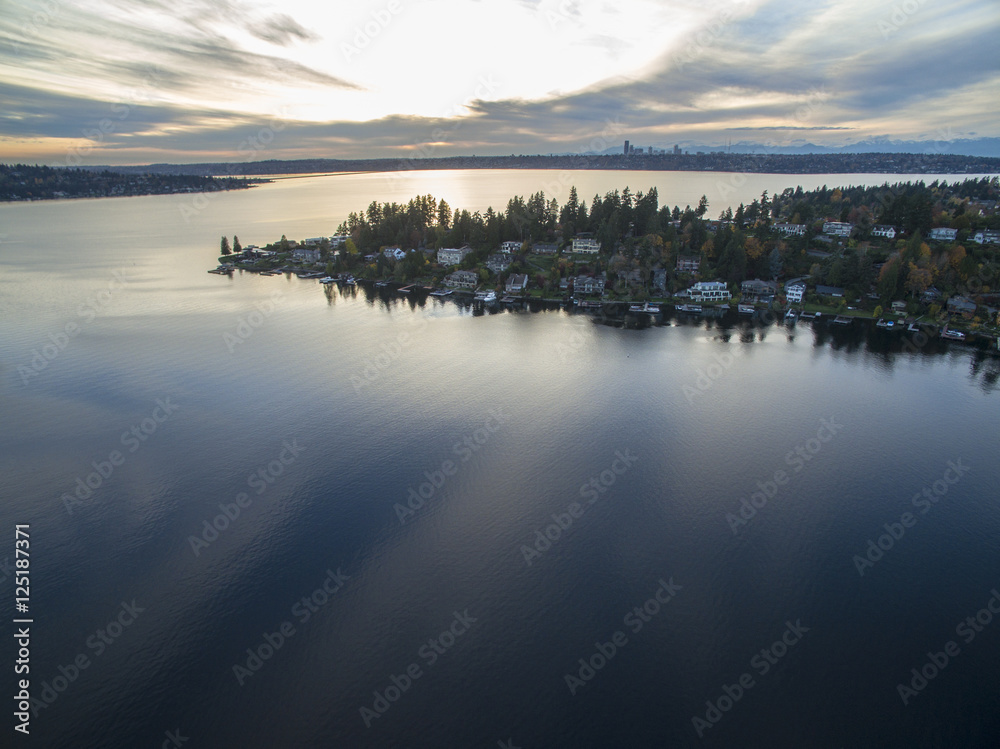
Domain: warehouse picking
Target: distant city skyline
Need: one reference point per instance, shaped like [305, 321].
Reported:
[219, 80]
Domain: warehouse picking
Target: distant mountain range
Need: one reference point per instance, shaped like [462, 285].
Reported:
[989, 147]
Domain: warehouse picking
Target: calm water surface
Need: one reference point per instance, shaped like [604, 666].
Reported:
[308, 415]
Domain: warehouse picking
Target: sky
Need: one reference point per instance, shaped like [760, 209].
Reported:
[144, 81]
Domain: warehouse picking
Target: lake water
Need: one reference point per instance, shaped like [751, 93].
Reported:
[251, 442]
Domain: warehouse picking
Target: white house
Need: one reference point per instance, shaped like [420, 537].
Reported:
[586, 245]
[986, 236]
[941, 234]
[313, 241]
[880, 230]
[306, 255]
[709, 291]
[338, 239]
[511, 247]
[838, 228]
[498, 262]
[589, 284]
[795, 292]
[394, 252]
[796, 230]
[688, 263]
[452, 256]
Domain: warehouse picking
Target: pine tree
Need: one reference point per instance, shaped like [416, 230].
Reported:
[225, 245]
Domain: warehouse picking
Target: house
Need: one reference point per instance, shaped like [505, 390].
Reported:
[881, 230]
[961, 305]
[835, 291]
[757, 290]
[986, 236]
[338, 239]
[791, 230]
[838, 228]
[498, 262]
[564, 285]
[942, 234]
[930, 295]
[589, 284]
[394, 253]
[306, 255]
[688, 263]
[518, 282]
[586, 245]
[371, 257]
[709, 291]
[899, 307]
[451, 256]
[795, 292]
[313, 241]
[462, 279]
[544, 248]
[510, 247]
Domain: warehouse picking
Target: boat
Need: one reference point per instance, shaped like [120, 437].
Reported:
[790, 315]
[327, 279]
[381, 284]
[688, 308]
[635, 308]
[651, 308]
[486, 297]
[442, 292]
[953, 335]
[350, 281]
[745, 309]
[588, 304]
[883, 323]
[842, 320]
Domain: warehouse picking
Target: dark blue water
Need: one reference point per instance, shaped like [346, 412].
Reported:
[311, 421]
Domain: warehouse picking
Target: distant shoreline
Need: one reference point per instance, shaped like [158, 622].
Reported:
[867, 163]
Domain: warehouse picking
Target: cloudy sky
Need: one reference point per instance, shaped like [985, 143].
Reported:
[139, 81]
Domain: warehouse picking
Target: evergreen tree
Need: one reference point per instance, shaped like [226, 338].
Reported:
[225, 245]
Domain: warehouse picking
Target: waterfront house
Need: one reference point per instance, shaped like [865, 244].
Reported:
[586, 245]
[899, 307]
[313, 241]
[943, 234]
[881, 230]
[511, 247]
[838, 228]
[709, 291]
[452, 256]
[517, 283]
[462, 279]
[961, 305]
[795, 292]
[589, 284]
[931, 295]
[834, 291]
[338, 240]
[758, 290]
[688, 263]
[395, 253]
[498, 262]
[306, 255]
[791, 230]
